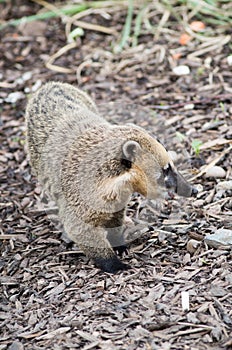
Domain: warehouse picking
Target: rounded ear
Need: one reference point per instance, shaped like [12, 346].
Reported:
[129, 150]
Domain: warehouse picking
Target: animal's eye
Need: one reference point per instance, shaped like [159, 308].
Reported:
[127, 163]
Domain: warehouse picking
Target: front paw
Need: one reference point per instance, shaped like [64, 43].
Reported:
[121, 249]
[111, 265]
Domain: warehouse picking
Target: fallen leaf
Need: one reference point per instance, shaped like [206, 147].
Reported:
[184, 38]
[15, 35]
[176, 56]
[197, 26]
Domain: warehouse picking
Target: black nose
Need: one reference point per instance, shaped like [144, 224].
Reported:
[194, 191]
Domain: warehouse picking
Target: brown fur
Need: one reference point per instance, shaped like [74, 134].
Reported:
[90, 167]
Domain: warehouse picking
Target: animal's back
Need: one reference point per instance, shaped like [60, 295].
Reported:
[56, 115]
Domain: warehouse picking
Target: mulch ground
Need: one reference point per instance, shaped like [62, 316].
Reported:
[52, 297]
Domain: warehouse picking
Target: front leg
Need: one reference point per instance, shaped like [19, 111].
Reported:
[93, 242]
[111, 264]
[116, 239]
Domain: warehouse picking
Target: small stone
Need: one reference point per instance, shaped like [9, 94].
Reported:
[224, 185]
[36, 86]
[199, 187]
[191, 317]
[229, 60]
[192, 245]
[25, 201]
[27, 76]
[173, 155]
[189, 106]
[207, 62]
[181, 70]
[221, 237]
[16, 345]
[14, 97]
[217, 291]
[215, 171]
[198, 203]
[228, 278]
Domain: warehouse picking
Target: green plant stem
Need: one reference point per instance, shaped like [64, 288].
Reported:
[138, 22]
[127, 27]
[67, 10]
[45, 15]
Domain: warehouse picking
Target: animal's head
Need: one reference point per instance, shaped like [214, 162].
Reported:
[151, 168]
[148, 168]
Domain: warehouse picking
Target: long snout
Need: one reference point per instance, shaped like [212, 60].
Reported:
[176, 182]
[184, 188]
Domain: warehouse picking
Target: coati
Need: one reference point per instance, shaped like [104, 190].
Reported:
[91, 168]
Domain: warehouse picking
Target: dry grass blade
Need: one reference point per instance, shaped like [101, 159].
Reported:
[162, 22]
[95, 27]
[52, 8]
[49, 64]
[16, 236]
[220, 41]
[75, 19]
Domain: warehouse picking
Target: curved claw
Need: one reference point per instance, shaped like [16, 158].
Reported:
[120, 250]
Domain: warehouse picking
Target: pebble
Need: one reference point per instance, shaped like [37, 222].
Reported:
[192, 245]
[199, 203]
[25, 77]
[221, 237]
[189, 106]
[16, 345]
[215, 171]
[224, 185]
[14, 97]
[173, 155]
[228, 277]
[229, 60]
[191, 317]
[25, 202]
[218, 291]
[181, 70]
[34, 88]
[199, 187]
